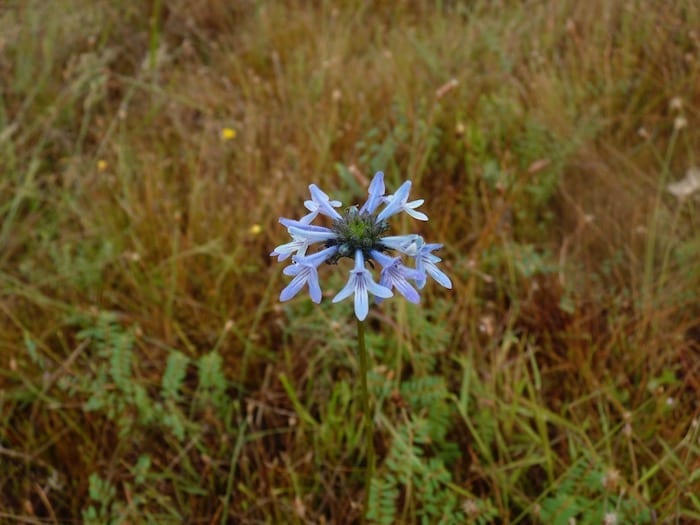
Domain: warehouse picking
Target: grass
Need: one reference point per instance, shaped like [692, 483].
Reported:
[148, 373]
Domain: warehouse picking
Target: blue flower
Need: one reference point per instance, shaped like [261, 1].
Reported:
[409, 244]
[298, 246]
[305, 271]
[426, 264]
[359, 234]
[395, 275]
[376, 194]
[319, 203]
[361, 284]
[398, 202]
[308, 232]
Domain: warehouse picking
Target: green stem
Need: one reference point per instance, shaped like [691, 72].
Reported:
[364, 369]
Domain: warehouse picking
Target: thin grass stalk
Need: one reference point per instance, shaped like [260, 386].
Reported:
[364, 369]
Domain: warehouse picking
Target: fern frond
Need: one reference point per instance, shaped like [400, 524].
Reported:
[382, 500]
[174, 375]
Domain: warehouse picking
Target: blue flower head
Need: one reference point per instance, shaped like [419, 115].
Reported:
[359, 234]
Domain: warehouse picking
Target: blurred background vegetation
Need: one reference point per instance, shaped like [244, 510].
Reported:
[148, 373]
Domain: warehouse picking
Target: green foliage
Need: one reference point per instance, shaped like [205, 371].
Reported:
[106, 508]
[382, 500]
[102, 494]
[581, 497]
[415, 480]
[415, 483]
[174, 376]
[114, 389]
[212, 382]
[111, 388]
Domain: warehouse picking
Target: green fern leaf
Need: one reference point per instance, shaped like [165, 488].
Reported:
[174, 375]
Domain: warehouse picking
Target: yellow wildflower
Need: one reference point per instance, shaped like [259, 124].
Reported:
[228, 134]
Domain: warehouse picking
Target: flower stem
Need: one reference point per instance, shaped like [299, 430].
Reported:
[364, 369]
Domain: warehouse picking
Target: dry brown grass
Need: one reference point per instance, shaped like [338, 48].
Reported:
[572, 326]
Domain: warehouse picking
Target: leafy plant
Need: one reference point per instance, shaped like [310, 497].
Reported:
[582, 497]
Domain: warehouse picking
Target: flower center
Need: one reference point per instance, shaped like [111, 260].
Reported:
[356, 231]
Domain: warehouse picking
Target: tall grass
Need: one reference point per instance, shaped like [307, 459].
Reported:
[148, 373]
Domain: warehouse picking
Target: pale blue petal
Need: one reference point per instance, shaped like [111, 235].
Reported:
[396, 202]
[382, 258]
[408, 244]
[376, 187]
[313, 235]
[376, 194]
[315, 259]
[372, 204]
[302, 226]
[317, 194]
[293, 269]
[306, 219]
[359, 262]
[407, 290]
[284, 251]
[403, 191]
[361, 300]
[439, 276]
[293, 287]
[321, 200]
[347, 290]
[314, 287]
[385, 281]
[419, 215]
[378, 290]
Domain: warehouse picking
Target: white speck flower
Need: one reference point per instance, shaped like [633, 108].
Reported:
[686, 186]
[610, 518]
[359, 234]
[680, 122]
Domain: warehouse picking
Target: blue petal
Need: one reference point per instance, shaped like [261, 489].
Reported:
[312, 235]
[292, 269]
[361, 300]
[347, 290]
[382, 258]
[378, 290]
[407, 290]
[397, 202]
[315, 259]
[419, 215]
[323, 202]
[376, 187]
[376, 194]
[293, 287]
[409, 244]
[314, 287]
[439, 276]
